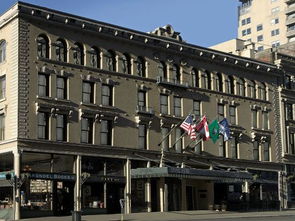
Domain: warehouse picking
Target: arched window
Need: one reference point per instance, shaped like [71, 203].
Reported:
[262, 91]
[110, 60]
[61, 50]
[78, 54]
[251, 89]
[2, 50]
[195, 78]
[94, 57]
[231, 85]
[140, 67]
[241, 87]
[219, 82]
[206, 79]
[162, 70]
[175, 74]
[42, 46]
[126, 64]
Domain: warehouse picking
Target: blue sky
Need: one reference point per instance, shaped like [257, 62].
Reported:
[201, 22]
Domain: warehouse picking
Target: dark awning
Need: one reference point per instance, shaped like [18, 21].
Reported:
[190, 173]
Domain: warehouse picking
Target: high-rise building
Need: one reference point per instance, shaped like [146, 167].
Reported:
[268, 23]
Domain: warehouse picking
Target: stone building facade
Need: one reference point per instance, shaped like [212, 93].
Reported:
[84, 106]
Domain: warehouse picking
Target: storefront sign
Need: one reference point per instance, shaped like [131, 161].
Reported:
[52, 176]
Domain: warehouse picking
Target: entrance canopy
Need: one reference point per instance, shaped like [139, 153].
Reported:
[190, 173]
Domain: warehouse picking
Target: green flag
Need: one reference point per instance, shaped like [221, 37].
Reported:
[214, 131]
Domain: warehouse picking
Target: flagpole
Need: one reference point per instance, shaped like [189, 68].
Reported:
[170, 132]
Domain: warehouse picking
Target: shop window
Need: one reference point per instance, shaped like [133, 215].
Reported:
[86, 130]
[2, 50]
[61, 127]
[87, 92]
[43, 85]
[61, 87]
[78, 54]
[61, 50]
[106, 132]
[43, 125]
[42, 46]
[106, 95]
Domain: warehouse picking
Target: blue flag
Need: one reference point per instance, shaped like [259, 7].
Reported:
[224, 129]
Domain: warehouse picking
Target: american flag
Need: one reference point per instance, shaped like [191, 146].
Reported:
[189, 126]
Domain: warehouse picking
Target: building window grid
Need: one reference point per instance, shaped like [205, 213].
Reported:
[232, 115]
[222, 147]
[219, 83]
[291, 143]
[42, 47]
[126, 64]
[259, 38]
[141, 99]
[78, 54]
[140, 67]
[275, 32]
[289, 111]
[259, 27]
[220, 111]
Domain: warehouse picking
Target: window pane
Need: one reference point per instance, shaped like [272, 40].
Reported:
[2, 127]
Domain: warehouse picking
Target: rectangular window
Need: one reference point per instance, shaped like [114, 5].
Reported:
[106, 95]
[259, 27]
[275, 10]
[266, 151]
[141, 99]
[222, 148]
[43, 85]
[265, 117]
[43, 125]
[232, 115]
[142, 136]
[106, 132]
[165, 143]
[2, 127]
[275, 44]
[86, 130]
[87, 92]
[275, 32]
[260, 48]
[220, 112]
[177, 106]
[164, 104]
[234, 147]
[254, 118]
[260, 38]
[289, 111]
[61, 127]
[256, 150]
[197, 108]
[274, 21]
[61, 88]
[2, 87]
[291, 143]
[178, 140]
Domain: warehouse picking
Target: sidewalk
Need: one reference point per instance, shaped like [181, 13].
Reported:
[176, 215]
